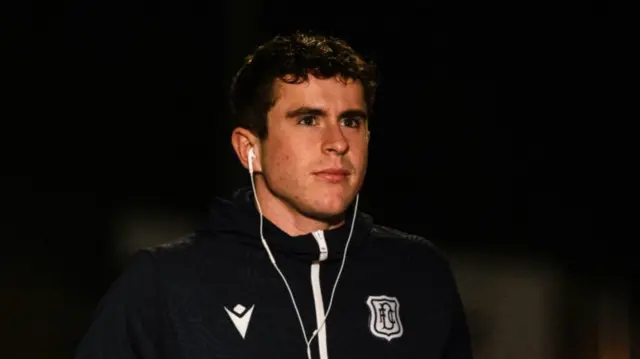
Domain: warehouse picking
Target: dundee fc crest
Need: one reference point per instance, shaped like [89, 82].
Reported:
[384, 319]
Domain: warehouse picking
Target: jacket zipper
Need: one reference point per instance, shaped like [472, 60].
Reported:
[317, 293]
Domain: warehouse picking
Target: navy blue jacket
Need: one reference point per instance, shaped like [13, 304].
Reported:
[216, 295]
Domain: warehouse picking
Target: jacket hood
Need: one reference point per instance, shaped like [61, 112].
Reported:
[238, 219]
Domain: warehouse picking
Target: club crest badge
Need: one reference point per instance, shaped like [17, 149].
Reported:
[384, 318]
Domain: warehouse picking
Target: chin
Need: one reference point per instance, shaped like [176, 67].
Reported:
[328, 208]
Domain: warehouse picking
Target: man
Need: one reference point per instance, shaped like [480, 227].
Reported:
[289, 268]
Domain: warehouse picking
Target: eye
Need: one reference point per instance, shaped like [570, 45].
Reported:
[307, 120]
[353, 122]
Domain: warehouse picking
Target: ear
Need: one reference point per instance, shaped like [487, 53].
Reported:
[242, 140]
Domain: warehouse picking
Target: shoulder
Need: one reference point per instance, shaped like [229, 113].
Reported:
[175, 248]
[414, 254]
[385, 233]
[170, 258]
[403, 241]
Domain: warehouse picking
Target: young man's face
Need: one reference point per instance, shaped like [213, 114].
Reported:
[314, 157]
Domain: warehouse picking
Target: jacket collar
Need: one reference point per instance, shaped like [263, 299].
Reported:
[240, 218]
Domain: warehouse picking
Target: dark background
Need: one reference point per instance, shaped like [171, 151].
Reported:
[487, 136]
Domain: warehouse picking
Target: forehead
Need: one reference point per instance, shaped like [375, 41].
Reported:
[332, 94]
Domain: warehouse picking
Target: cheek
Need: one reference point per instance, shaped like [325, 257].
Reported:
[292, 155]
[360, 149]
[283, 164]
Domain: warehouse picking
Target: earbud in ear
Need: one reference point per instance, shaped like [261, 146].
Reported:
[251, 156]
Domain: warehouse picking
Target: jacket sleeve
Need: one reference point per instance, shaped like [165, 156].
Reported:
[123, 325]
[458, 344]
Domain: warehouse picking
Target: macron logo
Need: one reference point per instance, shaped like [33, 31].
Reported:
[240, 317]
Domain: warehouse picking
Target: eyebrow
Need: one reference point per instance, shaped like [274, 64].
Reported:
[305, 110]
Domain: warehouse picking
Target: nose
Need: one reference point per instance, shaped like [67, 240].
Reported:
[335, 140]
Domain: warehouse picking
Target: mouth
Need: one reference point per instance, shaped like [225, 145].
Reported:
[333, 175]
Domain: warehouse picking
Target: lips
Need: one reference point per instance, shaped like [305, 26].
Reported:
[333, 175]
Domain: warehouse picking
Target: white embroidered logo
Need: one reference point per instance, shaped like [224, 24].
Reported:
[384, 319]
[240, 317]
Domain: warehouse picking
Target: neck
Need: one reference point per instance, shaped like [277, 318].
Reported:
[286, 217]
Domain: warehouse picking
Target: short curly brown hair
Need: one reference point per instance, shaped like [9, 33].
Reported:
[292, 58]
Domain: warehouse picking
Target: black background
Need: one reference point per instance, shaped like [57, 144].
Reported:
[487, 133]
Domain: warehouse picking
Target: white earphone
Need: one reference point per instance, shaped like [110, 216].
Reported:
[251, 156]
